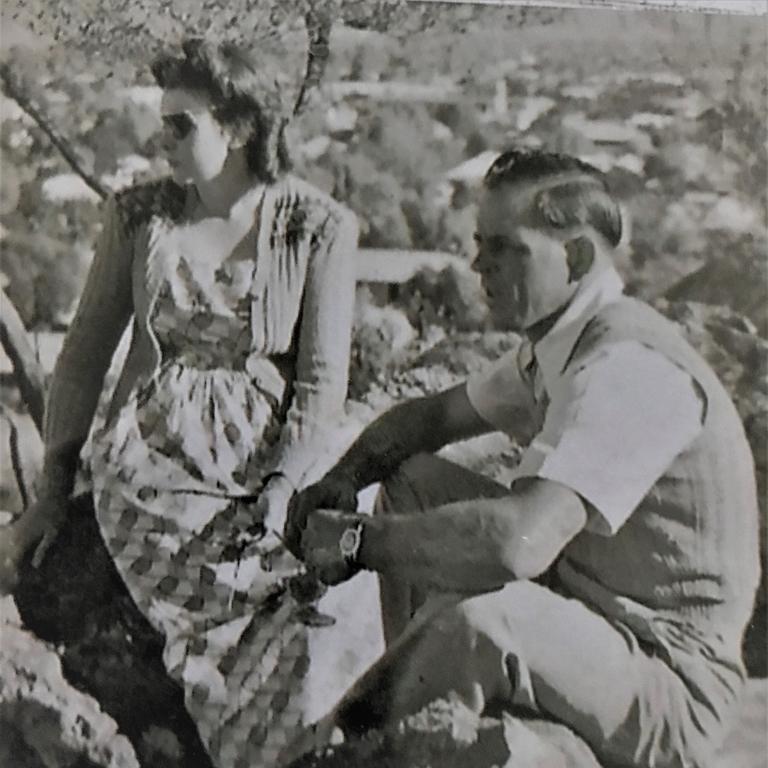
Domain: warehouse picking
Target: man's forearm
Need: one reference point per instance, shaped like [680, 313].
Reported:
[403, 431]
[456, 547]
[478, 545]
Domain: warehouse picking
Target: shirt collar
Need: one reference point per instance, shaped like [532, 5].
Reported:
[553, 350]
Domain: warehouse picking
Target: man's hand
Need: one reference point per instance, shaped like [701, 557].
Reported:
[330, 493]
[320, 545]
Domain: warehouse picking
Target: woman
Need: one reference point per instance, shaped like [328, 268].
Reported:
[240, 282]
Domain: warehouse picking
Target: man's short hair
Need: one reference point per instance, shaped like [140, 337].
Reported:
[580, 197]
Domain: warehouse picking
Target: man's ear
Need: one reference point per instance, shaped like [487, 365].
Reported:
[580, 256]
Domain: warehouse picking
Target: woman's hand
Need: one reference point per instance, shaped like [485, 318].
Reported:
[39, 523]
[272, 505]
[332, 492]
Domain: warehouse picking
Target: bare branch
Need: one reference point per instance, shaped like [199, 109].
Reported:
[26, 368]
[16, 462]
[14, 90]
[318, 48]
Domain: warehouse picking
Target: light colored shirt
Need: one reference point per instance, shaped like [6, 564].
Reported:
[608, 427]
[629, 416]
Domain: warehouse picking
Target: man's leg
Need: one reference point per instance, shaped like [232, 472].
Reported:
[523, 646]
[421, 483]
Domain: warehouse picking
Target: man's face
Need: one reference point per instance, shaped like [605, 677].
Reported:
[522, 264]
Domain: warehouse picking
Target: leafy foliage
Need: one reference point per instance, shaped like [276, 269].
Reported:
[127, 28]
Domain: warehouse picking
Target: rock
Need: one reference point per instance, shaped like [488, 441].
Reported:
[46, 721]
[448, 735]
[76, 601]
[9, 613]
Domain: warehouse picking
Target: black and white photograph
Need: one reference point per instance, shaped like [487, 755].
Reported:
[383, 384]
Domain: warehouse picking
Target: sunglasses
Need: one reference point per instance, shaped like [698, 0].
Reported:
[179, 124]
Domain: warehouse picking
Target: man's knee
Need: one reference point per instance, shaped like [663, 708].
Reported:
[426, 481]
[400, 492]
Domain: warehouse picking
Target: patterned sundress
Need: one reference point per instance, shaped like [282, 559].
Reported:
[251, 352]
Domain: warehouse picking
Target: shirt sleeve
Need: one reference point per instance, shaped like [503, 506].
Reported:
[502, 393]
[322, 366]
[613, 428]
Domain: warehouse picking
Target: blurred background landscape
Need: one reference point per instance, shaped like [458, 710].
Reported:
[410, 114]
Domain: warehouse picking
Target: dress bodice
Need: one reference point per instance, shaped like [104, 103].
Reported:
[202, 280]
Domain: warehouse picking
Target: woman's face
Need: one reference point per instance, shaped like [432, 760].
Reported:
[196, 145]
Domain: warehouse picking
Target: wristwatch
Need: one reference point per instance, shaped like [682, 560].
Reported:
[349, 543]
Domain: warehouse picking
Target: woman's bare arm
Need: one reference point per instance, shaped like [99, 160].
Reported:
[322, 366]
[103, 312]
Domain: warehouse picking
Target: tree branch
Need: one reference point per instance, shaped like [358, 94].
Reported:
[26, 368]
[14, 90]
[15, 454]
[318, 25]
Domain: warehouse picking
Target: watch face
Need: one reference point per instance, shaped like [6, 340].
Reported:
[350, 542]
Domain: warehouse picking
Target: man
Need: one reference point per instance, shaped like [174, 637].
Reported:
[635, 497]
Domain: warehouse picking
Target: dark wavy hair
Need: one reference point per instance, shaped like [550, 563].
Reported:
[583, 197]
[243, 98]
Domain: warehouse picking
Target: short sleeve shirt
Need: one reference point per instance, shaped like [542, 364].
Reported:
[607, 427]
